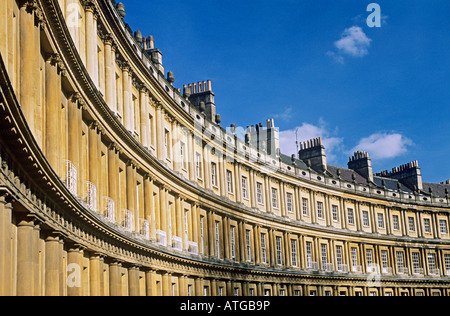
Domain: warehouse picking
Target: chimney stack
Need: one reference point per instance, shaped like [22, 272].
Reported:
[154, 53]
[361, 163]
[266, 140]
[201, 93]
[314, 151]
[408, 174]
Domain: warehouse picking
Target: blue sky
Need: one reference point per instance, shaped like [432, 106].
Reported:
[316, 67]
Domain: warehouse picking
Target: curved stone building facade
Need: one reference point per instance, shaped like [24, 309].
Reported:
[115, 182]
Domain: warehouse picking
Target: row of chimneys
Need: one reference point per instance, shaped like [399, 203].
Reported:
[149, 42]
[359, 155]
[199, 87]
[408, 174]
[146, 42]
[258, 127]
[402, 168]
[315, 142]
[313, 151]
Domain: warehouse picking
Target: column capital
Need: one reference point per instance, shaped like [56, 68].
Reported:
[114, 261]
[94, 125]
[108, 39]
[134, 266]
[30, 5]
[52, 235]
[6, 196]
[28, 219]
[77, 98]
[89, 6]
[75, 247]
[125, 66]
[113, 147]
[132, 163]
[97, 255]
[53, 59]
[40, 18]
[143, 89]
[149, 176]
[158, 105]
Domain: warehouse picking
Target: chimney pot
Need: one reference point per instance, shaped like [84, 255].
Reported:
[151, 42]
[145, 43]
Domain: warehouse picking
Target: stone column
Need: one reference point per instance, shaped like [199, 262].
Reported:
[53, 106]
[238, 182]
[115, 280]
[226, 239]
[175, 146]
[211, 228]
[198, 286]
[94, 159]
[37, 272]
[358, 216]
[127, 97]
[74, 264]
[282, 202]
[133, 281]
[166, 277]
[163, 212]
[257, 244]
[213, 287]
[29, 48]
[113, 171]
[74, 135]
[4, 29]
[131, 191]
[91, 40]
[6, 272]
[252, 188]
[102, 190]
[182, 285]
[149, 282]
[222, 174]
[53, 259]
[149, 205]
[159, 132]
[144, 128]
[96, 274]
[25, 255]
[298, 204]
[179, 220]
[110, 73]
[191, 156]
